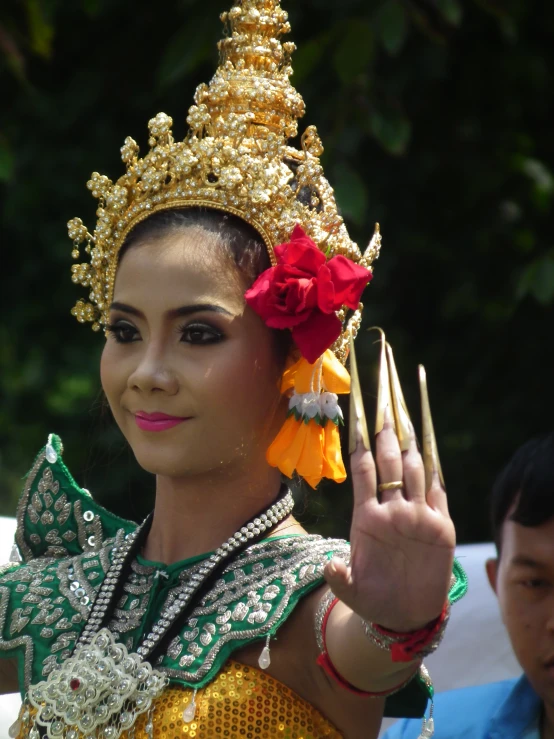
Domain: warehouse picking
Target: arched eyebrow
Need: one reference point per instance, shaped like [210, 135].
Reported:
[521, 561]
[184, 310]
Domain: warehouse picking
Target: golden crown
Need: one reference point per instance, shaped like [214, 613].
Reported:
[234, 158]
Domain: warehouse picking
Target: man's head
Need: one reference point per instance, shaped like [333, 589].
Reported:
[522, 508]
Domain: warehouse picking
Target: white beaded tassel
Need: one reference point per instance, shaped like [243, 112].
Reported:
[149, 728]
[21, 722]
[190, 711]
[264, 659]
[50, 453]
[15, 729]
[428, 727]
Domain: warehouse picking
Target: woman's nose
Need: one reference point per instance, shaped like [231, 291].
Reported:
[153, 373]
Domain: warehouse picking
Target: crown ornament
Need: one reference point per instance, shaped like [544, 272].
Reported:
[235, 158]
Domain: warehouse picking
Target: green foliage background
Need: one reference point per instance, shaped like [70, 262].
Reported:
[437, 121]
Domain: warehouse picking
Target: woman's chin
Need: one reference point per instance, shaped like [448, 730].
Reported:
[178, 462]
[164, 461]
[164, 468]
[184, 457]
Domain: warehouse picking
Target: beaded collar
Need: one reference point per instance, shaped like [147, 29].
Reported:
[103, 688]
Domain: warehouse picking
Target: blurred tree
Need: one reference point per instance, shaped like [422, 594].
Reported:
[436, 116]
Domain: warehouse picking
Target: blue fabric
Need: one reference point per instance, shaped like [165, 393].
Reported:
[505, 710]
[533, 733]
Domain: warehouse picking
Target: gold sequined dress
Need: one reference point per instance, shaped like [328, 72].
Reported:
[240, 703]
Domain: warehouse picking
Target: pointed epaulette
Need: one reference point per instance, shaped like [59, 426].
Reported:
[57, 518]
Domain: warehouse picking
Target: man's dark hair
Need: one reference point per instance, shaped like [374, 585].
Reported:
[527, 482]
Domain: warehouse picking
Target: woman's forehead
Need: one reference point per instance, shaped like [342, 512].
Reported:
[191, 263]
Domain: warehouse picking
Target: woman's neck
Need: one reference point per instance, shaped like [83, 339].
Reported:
[195, 515]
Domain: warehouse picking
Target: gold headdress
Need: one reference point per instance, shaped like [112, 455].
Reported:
[234, 158]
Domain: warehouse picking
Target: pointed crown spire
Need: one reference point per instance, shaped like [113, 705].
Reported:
[254, 72]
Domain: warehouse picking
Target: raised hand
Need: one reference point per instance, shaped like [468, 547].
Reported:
[402, 535]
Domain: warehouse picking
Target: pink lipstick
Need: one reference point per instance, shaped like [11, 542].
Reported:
[157, 421]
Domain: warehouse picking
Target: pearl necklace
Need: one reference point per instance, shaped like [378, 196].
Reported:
[100, 690]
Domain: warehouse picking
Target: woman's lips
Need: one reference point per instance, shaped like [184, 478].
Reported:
[157, 421]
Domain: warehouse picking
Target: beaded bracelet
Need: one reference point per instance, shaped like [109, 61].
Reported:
[412, 645]
[328, 602]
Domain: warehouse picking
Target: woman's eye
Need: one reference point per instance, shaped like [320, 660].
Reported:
[535, 583]
[197, 334]
[123, 333]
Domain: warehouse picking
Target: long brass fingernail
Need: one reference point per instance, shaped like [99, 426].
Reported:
[383, 388]
[400, 410]
[431, 461]
[357, 413]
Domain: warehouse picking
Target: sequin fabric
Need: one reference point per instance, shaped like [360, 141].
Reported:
[241, 703]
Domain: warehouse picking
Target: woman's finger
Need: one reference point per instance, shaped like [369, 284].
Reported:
[339, 578]
[414, 471]
[389, 461]
[436, 497]
[364, 477]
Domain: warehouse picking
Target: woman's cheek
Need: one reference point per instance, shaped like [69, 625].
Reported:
[107, 368]
[113, 377]
[245, 389]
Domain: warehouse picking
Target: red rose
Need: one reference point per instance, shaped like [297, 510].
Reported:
[304, 291]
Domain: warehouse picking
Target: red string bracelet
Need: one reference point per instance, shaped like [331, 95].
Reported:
[324, 661]
[412, 645]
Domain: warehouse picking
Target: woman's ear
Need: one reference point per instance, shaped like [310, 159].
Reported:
[491, 565]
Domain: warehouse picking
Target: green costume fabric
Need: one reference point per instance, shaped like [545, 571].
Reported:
[65, 541]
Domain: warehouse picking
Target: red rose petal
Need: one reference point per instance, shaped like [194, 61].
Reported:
[304, 291]
[349, 281]
[325, 291]
[300, 252]
[284, 321]
[301, 295]
[316, 334]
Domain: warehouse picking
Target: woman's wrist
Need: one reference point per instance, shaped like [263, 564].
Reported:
[408, 646]
[397, 680]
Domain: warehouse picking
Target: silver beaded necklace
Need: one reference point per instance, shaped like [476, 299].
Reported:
[102, 689]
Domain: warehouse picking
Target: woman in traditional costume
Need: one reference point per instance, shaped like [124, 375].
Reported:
[229, 292]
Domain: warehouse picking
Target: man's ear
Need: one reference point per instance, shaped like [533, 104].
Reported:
[491, 565]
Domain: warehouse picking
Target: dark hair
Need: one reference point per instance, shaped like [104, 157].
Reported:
[239, 239]
[527, 482]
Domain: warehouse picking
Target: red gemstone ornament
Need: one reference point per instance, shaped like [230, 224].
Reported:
[75, 684]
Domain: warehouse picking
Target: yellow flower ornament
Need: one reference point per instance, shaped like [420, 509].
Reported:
[308, 442]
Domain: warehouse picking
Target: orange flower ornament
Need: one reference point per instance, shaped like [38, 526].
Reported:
[309, 441]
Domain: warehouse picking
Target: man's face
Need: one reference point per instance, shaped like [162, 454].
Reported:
[523, 579]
